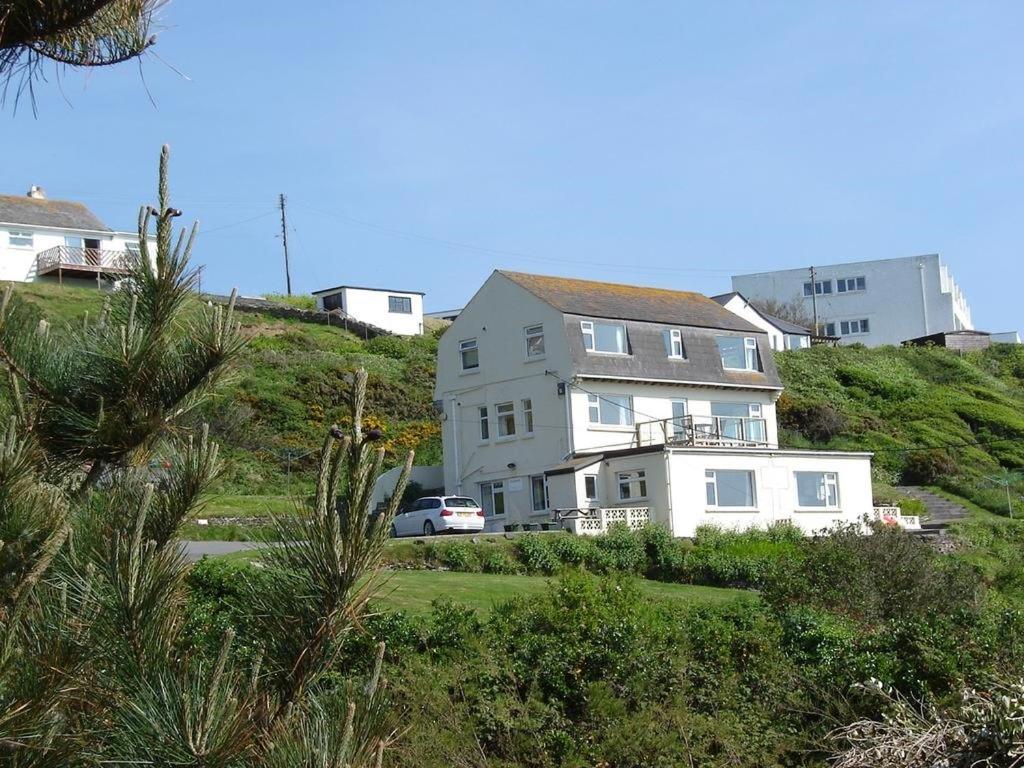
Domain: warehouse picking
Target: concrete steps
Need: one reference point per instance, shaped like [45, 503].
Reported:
[939, 511]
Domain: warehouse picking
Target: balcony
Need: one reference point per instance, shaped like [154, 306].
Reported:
[71, 261]
[704, 431]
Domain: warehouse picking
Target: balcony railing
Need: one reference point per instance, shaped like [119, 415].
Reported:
[595, 521]
[73, 259]
[728, 431]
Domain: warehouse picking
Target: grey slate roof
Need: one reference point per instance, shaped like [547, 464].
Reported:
[21, 209]
[648, 358]
[783, 325]
[630, 302]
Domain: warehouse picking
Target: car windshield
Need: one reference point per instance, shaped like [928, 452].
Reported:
[457, 501]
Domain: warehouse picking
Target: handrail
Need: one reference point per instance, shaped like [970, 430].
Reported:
[694, 430]
[74, 256]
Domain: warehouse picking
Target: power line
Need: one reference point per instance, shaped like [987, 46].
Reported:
[407, 235]
[239, 223]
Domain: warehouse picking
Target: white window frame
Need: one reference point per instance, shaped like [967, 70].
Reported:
[711, 490]
[829, 485]
[404, 301]
[493, 489]
[678, 423]
[633, 480]
[597, 487]
[594, 402]
[469, 345]
[532, 332]
[527, 405]
[674, 348]
[854, 327]
[751, 355]
[21, 234]
[589, 329]
[829, 328]
[505, 416]
[485, 423]
[533, 496]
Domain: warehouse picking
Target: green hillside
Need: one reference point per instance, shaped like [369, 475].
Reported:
[932, 417]
[289, 383]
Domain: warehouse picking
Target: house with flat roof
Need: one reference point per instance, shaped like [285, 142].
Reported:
[60, 240]
[884, 301]
[398, 312]
[616, 402]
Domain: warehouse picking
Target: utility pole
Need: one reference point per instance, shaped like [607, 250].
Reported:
[814, 288]
[284, 239]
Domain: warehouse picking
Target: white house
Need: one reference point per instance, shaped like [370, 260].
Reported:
[60, 240]
[399, 312]
[645, 403]
[871, 302]
[782, 334]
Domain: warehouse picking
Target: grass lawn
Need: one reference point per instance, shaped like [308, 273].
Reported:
[246, 506]
[412, 591]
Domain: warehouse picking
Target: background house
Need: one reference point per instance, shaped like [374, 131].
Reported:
[560, 394]
[60, 240]
[399, 312]
[781, 333]
[870, 302]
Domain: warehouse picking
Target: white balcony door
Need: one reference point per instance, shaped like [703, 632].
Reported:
[678, 426]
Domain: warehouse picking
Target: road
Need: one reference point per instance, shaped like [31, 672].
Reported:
[194, 550]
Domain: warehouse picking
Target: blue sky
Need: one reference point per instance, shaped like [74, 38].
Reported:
[671, 143]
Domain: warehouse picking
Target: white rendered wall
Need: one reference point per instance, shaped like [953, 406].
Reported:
[775, 484]
[739, 307]
[19, 264]
[497, 317]
[904, 298]
[372, 306]
[654, 402]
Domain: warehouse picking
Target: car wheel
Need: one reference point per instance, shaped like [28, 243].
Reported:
[428, 528]
[394, 531]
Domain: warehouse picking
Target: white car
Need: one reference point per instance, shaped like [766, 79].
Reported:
[438, 514]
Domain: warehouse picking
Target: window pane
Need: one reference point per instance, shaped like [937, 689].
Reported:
[861, 284]
[731, 351]
[535, 345]
[528, 414]
[735, 488]
[863, 326]
[615, 410]
[807, 289]
[485, 431]
[810, 489]
[537, 492]
[609, 337]
[590, 486]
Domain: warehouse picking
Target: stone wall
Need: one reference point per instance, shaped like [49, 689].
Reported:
[335, 317]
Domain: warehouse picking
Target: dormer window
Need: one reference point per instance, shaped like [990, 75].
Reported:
[739, 353]
[603, 337]
[674, 343]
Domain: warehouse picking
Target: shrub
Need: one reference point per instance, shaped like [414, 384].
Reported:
[663, 552]
[499, 561]
[620, 550]
[460, 556]
[535, 555]
[571, 549]
[929, 467]
[819, 422]
[388, 346]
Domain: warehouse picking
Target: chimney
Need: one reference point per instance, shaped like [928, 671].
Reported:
[36, 192]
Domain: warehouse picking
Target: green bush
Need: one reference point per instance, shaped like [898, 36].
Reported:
[499, 561]
[620, 551]
[571, 549]
[459, 556]
[533, 552]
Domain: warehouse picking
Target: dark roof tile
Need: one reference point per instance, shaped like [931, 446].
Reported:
[15, 209]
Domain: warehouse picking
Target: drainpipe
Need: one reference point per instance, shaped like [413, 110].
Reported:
[668, 490]
[455, 448]
[570, 446]
[924, 298]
